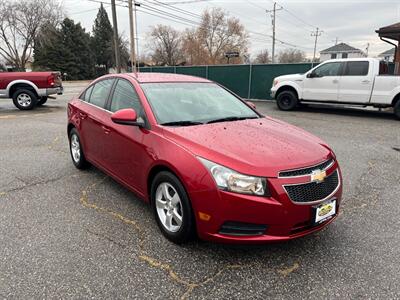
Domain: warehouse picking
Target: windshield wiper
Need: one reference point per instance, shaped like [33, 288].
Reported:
[182, 123]
[233, 118]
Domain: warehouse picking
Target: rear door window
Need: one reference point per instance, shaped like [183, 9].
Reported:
[101, 91]
[356, 68]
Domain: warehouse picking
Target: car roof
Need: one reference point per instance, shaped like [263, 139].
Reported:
[165, 77]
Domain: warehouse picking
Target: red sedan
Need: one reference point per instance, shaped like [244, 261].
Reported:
[207, 161]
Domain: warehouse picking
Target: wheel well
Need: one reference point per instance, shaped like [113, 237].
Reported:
[18, 86]
[286, 88]
[153, 172]
[70, 126]
[395, 99]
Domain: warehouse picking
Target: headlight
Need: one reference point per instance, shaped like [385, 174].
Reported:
[275, 82]
[229, 180]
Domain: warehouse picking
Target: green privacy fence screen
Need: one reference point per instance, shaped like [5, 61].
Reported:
[248, 81]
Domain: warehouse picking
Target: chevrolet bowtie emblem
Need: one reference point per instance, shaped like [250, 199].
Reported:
[318, 176]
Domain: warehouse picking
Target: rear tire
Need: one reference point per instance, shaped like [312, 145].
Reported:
[287, 100]
[42, 101]
[172, 208]
[397, 109]
[24, 99]
[75, 147]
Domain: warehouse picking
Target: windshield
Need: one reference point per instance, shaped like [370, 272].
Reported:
[187, 103]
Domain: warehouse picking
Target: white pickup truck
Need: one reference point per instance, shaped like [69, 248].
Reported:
[360, 81]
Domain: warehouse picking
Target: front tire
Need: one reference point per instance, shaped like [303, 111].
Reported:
[172, 208]
[24, 99]
[42, 101]
[397, 109]
[75, 147]
[287, 100]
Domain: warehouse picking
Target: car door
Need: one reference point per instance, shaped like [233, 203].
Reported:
[93, 114]
[322, 84]
[125, 151]
[356, 83]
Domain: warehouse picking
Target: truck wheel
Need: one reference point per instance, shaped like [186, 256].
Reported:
[397, 109]
[287, 100]
[24, 99]
[42, 101]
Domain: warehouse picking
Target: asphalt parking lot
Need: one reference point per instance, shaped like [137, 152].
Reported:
[65, 233]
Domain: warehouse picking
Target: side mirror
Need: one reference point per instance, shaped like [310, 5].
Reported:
[126, 116]
[310, 75]
[251, 104]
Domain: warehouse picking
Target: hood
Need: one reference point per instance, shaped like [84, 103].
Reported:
[290, 77]
[260, 147]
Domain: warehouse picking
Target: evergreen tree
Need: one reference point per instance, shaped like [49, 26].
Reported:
[65, 49]
[102, 41]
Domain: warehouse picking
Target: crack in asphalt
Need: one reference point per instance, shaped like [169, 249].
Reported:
[27, 185]
[287, 271]
[143, 255]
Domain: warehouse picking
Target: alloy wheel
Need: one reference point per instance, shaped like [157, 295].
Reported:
[75, 148]
[169, 207]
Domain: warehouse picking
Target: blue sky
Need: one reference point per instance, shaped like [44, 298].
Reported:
[352, 22]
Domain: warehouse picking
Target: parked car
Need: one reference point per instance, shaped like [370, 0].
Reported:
[358, 81]
[207, 162]
[28, 89]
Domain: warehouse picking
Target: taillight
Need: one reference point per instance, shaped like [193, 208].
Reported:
[50, 80]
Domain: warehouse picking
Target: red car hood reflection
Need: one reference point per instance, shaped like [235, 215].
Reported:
[260, 147]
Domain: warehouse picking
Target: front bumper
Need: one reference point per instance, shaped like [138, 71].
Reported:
[272, 94]
[284, 219]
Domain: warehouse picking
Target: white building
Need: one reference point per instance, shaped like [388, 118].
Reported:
[388, 55]
[341, 50]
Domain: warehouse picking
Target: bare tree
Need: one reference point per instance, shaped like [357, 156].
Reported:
[20, 22]
[262, 57]
[194, 51]
[166, 45]
[219, 34]
[291, 56]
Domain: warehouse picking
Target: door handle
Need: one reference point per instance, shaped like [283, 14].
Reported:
[82, 115]
[335, 81]
[106, 129]
[365, 81]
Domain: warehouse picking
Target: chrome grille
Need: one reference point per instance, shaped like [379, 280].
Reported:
[306, 171]
[313, 191]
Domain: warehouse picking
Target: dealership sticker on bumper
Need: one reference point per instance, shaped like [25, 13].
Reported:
[325, 211]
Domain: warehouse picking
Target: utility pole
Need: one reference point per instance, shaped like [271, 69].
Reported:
[116, 44]
[273, 17]
[132, 36]
[316, 33]
[336, 40]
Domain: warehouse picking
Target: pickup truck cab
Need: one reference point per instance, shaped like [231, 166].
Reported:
[360, 81]
[29, 89]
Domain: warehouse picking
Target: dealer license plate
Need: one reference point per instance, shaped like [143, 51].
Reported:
[325, 211]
